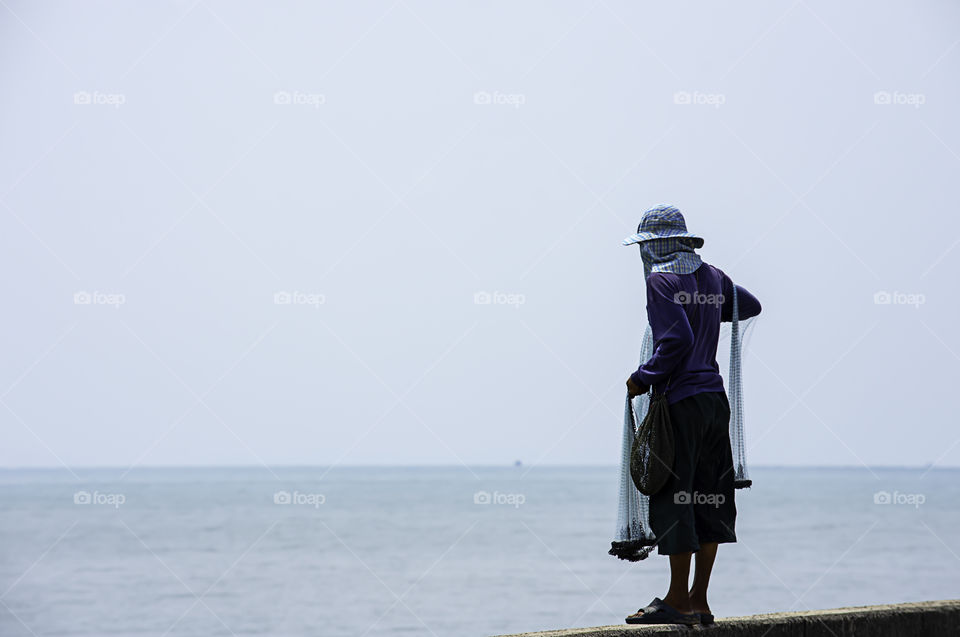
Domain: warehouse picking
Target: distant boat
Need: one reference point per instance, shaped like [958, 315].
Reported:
[517, 463]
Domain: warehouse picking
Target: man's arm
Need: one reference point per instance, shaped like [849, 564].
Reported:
[672, 334]
[747, 304]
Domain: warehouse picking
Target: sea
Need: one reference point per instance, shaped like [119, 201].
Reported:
[438, 551]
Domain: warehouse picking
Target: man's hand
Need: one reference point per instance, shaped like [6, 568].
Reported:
[634, 390]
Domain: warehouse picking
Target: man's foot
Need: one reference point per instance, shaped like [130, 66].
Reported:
[698, 604]
[659, 612]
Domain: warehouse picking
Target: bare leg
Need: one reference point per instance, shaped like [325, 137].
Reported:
[701, 577]
[677, 596]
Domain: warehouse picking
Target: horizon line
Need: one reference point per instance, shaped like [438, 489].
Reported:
[927, 466]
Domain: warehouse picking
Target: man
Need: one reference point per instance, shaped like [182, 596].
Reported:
[694, 512]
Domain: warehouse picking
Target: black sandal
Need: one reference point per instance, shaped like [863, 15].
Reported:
[659, 612]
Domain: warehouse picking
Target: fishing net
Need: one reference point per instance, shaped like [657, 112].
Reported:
[738, 334]
[633, 538]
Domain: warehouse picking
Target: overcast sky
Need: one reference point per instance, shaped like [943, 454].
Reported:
[389, 232]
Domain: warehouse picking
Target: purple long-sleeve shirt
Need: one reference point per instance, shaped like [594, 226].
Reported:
[685, 318]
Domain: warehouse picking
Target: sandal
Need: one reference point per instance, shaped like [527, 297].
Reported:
[659, 612]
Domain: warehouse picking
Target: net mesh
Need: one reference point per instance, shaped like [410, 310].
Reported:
[633, 518]
[633, 538]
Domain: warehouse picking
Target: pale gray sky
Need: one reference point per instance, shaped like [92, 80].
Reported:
[388, 161]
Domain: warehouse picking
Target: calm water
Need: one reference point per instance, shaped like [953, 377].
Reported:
[408, 551]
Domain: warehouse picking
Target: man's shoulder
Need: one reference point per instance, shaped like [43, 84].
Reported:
[664, 285]
[659, 279]
[668, 283]
[715, 269]
[672, 279]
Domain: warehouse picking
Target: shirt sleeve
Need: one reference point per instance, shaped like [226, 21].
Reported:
[747, 304]
[672, 334]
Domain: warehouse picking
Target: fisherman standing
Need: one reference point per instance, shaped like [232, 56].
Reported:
[695, 511]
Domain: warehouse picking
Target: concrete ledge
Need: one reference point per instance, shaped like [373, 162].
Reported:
[890, 620]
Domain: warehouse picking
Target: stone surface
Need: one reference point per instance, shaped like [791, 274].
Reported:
[941, 618]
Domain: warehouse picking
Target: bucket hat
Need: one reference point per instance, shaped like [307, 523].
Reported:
[662, 222]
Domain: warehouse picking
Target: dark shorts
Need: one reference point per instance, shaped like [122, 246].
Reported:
[697, 503]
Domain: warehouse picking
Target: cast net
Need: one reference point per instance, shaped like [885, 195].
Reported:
[633, 538]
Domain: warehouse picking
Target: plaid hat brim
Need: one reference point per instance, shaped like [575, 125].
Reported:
[640, 237]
